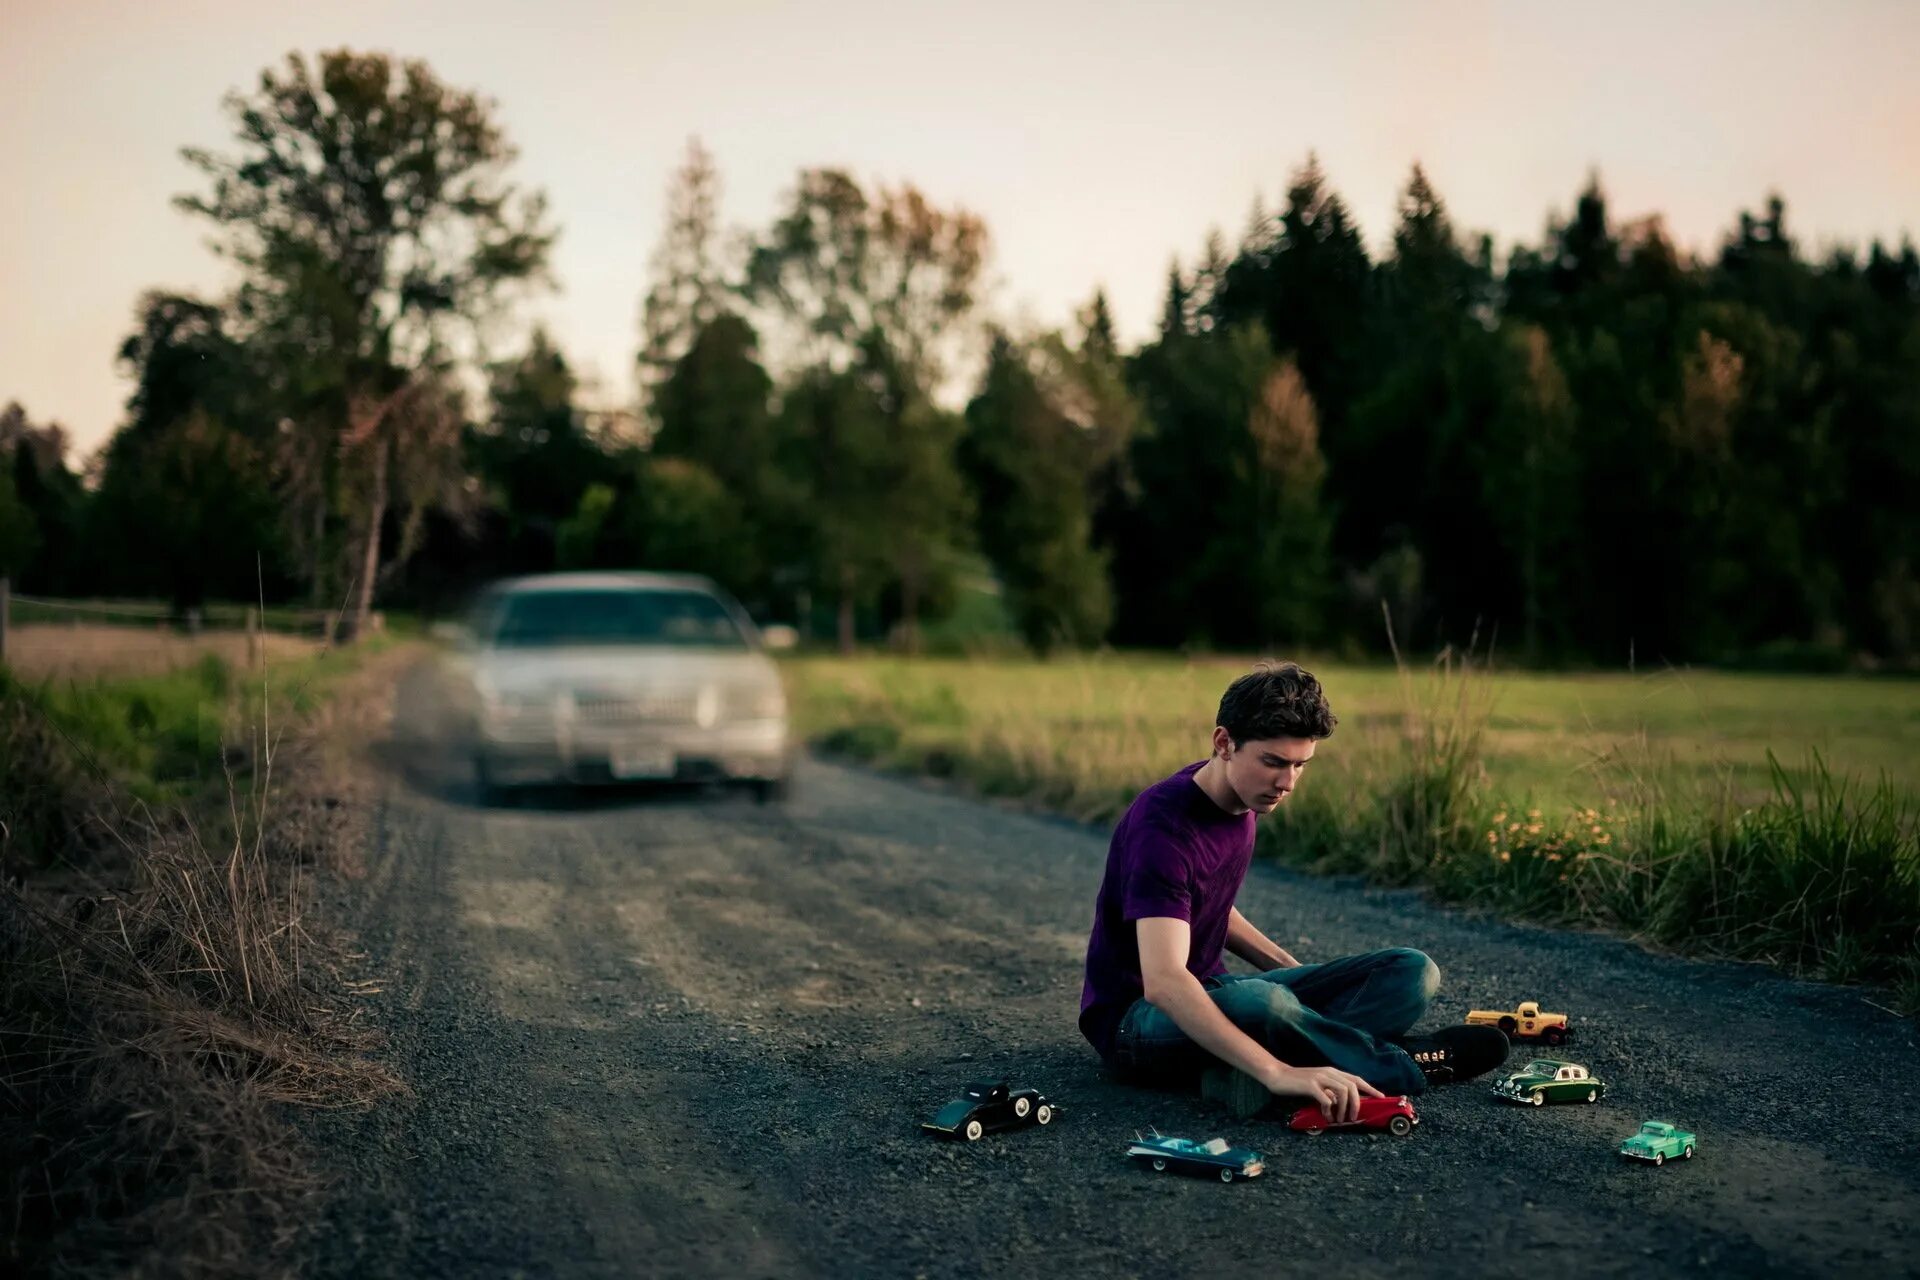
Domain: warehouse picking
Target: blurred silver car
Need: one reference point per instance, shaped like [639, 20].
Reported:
[618, 677]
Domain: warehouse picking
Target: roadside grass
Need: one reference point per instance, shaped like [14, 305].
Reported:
[162, 996]
[39, 651]
[161, 737]
[1765, 818]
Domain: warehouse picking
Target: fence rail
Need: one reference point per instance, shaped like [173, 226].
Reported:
[18, 610]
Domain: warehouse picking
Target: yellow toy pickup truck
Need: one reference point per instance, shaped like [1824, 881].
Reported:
[1526, 1022]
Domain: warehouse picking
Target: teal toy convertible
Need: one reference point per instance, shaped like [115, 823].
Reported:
[1656, 1141]
[1214, 1156]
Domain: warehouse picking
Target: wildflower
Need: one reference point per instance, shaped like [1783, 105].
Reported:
[1505, 856]
[1554, 857]
[1533, 813]
[1500, 816]
[1512, 827]
[1605, 840]
[1596, 829]
[1533, 829]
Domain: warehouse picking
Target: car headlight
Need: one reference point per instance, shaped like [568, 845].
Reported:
[756, 702]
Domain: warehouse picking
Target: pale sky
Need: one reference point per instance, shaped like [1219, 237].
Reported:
[1096, 139]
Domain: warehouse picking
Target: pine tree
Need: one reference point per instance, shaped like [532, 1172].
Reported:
[1096, 326]
[689, 275]
[1176, 313]
[1030, 463]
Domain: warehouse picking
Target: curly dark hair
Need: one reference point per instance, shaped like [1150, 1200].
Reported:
[1275, 701]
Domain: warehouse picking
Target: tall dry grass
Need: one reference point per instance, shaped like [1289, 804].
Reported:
[162, 1000]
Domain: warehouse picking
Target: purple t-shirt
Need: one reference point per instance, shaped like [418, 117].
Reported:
[1175, 853]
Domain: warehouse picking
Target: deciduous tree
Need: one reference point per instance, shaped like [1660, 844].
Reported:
[367, 206]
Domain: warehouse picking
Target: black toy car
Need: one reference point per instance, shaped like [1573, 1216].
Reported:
[987, 1106]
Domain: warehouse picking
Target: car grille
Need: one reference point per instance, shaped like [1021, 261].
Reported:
[664, 707]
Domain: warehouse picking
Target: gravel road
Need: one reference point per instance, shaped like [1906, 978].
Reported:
[689, 1035]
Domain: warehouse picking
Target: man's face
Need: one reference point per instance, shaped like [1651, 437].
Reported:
[1263, 771]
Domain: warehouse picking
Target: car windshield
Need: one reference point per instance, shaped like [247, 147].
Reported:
[1539, 1069]
[1653, 1129]
[549, 619]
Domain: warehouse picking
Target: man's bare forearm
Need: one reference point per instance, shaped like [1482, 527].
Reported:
[1255, 947]
[1184, 1000]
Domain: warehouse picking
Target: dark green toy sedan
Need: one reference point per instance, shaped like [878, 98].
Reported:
[1547, 1080]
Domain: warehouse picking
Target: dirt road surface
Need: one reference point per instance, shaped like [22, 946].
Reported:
[681, 1035]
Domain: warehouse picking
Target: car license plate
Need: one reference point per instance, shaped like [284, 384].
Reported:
[642, 762]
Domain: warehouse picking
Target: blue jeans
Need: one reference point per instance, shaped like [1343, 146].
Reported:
[1339, 1014]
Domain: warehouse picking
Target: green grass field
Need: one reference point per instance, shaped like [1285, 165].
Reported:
[1762, 817]
[1116, 723]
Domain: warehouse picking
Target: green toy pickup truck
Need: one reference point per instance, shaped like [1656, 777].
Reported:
[1656, 1141]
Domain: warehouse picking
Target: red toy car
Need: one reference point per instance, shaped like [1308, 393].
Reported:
[1395, 1115]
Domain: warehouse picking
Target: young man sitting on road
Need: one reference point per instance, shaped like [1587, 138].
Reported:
[1158, 1003]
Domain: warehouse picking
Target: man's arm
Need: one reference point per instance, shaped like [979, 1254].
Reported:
[1164, 943]
[1255, 947]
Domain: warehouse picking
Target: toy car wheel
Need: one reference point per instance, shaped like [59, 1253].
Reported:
[1659, 1157]
[1159, 1166]
[1042, 1114]
[1509, 1026]
[1554, 1035]
[1226, 1175]
[1400, 1126]
[1021, 1106]
[1538, 1098]
[1315, 1129]
[1593, 1095]
[973, 1131]
[1686, 1152]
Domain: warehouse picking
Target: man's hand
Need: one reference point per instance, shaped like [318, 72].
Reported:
[1337, 1093]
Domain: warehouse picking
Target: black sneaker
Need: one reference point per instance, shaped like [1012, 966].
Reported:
[1452, 1054]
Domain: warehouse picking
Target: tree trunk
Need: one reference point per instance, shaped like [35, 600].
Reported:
[317, 553]
[910, 607]
[370, 562]
[1532, 605]
[846, 609]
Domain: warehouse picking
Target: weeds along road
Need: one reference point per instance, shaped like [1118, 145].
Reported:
[673, 1035]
